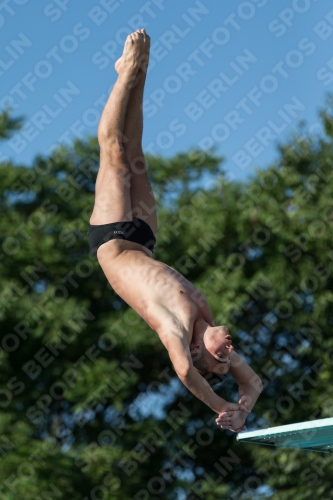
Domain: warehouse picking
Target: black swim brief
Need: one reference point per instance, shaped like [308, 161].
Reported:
[136, 230]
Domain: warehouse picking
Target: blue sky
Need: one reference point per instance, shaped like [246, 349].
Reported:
[238, 75]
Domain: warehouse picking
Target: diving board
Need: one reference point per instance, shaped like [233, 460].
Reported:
[315, 435]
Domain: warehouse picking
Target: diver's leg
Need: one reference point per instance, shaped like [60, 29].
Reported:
[113, 183]
[142, 197]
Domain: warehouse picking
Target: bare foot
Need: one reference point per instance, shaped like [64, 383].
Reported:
[135, 53]
[145, 55]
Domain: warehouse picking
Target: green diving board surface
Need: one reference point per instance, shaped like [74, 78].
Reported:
[315, 435]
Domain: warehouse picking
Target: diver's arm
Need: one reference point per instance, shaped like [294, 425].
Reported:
[250, 384]
[180, 356]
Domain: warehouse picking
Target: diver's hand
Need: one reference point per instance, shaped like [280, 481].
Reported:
[232, 420]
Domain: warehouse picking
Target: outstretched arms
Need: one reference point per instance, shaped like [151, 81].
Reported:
[179, 352]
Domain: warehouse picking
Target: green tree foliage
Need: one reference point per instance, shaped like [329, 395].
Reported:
[8, 125]
[90, 405]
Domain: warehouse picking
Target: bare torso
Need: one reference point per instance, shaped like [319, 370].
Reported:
[157, 292]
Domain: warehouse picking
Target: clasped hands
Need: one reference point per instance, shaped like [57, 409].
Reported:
[233, 416]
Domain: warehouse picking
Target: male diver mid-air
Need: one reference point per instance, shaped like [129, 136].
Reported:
[122, 233]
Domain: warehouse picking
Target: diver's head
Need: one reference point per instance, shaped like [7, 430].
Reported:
[211, 351]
